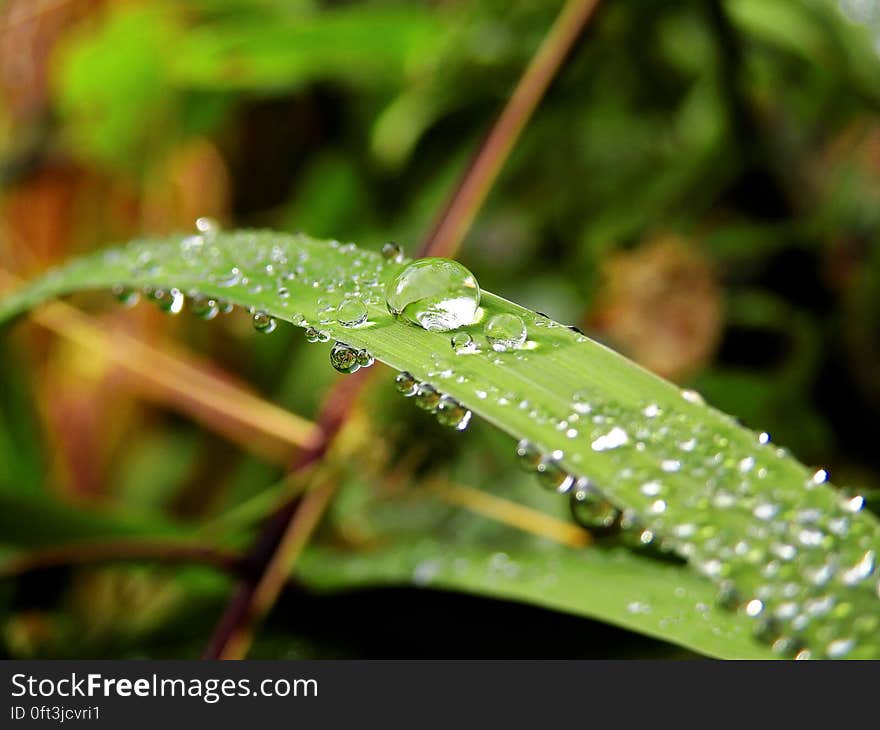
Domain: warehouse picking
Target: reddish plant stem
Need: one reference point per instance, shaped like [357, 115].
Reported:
[288, 530]
[457, 216]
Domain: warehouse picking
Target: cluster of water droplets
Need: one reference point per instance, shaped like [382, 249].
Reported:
[449, 411]
[801, 564]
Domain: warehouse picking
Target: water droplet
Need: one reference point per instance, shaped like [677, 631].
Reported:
[344, 358]
[427, 397]
[839, 648]
[754, 607]
[691, 396]
[435, 294]
[406, 384]
[861, 570]
[615, 438]
[528, 454]
[392, 252]
[365, 359]
[264, 323]
[208, 227]
[315, 335]
[351, 312]
[552, 476]
[125, 295]
[505, 332]
[590, 509]
[463, 343]
[451, 413]
[203, 307]
[169, 301]
[233, 278]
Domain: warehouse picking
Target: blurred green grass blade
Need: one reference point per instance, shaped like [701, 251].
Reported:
[21, 453]
[35, 520]
[770, 532]
[654, 598]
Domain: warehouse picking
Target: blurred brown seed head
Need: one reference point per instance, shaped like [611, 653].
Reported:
[661, 305]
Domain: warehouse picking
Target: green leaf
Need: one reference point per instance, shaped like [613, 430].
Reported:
[794, 553]
[613, 585]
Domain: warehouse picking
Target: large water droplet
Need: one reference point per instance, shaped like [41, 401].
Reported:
[344, 358]
[351, 313]
[505, 332]
[435, 294]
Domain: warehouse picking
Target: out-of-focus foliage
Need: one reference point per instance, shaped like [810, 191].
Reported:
[700, 189]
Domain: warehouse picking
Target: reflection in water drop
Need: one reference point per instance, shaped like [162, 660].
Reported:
[435, 294]
[264, 323]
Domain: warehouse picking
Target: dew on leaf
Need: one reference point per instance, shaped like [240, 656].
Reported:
[435, 294]
[364, 358]
[203, 307]
[406, 384]
[344, 358]
[392, 252]
[452, 414]
[351, 312]
[125, 295]
[505, 332]
[264, 323]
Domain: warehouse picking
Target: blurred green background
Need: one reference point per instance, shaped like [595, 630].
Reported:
[700, 189]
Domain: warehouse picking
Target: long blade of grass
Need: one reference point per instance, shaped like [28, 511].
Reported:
[780, 542]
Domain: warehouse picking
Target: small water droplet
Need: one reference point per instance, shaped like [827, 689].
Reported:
[406, 384]
[233, 278]
[208, 227]
[264, 323]
[590, 509]
[392, 252]
[125, 295]
[365, 359]
[351, 312]
[614, 439]
[344, 358]
[169, 301]
[427, 397]
[203, 307]
[463, 343]
[691, 396]
[528, 454]
[315, 335]
[754, 607]
[451, 413]
[435, 294]
[505, 332]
